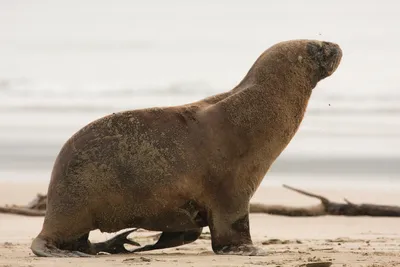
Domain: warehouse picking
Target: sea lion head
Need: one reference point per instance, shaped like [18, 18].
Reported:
[310, 60]
[294, 63]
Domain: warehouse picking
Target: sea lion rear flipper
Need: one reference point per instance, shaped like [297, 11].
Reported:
[42, 248]
[173, 239]
[116, 244]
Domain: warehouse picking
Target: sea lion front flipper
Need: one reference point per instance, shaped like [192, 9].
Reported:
[173, 239]
[230, 233]
[116, 244]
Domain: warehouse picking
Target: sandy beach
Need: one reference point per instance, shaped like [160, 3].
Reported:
[344, 241]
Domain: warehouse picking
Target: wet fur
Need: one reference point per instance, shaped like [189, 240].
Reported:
[185, 167]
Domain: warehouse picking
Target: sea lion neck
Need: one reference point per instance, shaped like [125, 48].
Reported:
[280, 82]
[258, 109]
[266, 108]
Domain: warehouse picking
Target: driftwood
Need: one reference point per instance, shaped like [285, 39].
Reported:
[326, 207]
[22, 211]
[37, 207]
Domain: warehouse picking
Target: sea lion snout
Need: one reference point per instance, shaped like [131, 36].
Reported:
[332, 51]
[327, 56]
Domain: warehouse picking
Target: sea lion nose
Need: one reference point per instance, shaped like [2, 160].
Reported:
[332, 49]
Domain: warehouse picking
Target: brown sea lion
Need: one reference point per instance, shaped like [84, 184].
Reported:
[179, 169]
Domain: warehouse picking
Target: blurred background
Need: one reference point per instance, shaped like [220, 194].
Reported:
[66, 63]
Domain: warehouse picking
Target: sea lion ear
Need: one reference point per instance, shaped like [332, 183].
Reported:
[300, 58]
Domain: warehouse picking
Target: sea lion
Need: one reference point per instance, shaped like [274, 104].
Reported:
[179, 169]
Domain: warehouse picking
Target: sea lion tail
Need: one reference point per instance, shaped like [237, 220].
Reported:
[42, 247]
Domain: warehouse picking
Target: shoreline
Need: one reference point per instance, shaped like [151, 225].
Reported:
[270, 191]
[312, 181]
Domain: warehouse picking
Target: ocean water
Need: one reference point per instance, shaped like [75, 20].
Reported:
[66, 63]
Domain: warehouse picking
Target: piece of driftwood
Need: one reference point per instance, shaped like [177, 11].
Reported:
[326, 207]
[37, 207]
[22, 211]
